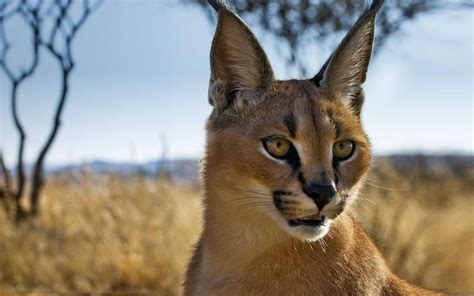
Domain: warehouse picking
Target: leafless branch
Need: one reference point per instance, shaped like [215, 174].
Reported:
[64, 57]
[300, 23]
[31, 16]
[58, 42]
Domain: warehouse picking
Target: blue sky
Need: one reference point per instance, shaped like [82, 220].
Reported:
[142, 73]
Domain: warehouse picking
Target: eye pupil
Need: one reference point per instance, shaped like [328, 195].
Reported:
[343, 149]
[277, 147]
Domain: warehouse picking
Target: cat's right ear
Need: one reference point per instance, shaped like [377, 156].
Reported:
[239, 67]
[345, 71]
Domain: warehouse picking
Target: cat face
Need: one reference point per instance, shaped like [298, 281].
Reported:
[296, 157]
[293, 152]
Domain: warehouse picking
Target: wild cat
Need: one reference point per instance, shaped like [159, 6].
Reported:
[284, 163]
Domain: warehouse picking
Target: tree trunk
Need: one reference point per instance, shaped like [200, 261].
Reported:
[38, 174]
[20, 174]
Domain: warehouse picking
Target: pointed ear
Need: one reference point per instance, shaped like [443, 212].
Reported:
[238, 64]
[344, 72]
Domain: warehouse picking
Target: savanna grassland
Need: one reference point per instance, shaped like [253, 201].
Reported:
[106, 233]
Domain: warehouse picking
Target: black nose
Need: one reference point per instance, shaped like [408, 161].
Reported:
[320, 193]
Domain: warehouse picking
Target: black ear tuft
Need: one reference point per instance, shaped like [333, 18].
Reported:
[343, 74]
[219, 5]
[317, 79]
[375, 6]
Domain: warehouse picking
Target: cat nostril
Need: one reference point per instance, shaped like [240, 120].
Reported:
[320, 193]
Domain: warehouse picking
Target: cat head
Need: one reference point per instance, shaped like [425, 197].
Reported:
[291, 152]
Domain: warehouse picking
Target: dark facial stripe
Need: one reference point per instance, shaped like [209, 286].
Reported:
[290, 123]
[301, 179]
[293, 159]
[313, 107]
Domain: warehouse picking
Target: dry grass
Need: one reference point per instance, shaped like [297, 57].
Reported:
[102, 234]
[423, 223]
[109, 233]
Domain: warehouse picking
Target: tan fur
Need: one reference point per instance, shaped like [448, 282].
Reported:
[247, 247]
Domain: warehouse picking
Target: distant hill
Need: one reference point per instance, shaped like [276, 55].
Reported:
[178, 169]
[188, 169]
[450, 163]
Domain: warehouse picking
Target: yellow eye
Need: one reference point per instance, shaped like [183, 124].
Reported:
[277, 147]
[342, 150]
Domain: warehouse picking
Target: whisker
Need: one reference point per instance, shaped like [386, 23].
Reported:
[329, 234]
[351, 212]
[247, 198]
[363, 205]
[384, 181]
[243, 190]
[361, 197]
[388, 188]
[257, 202]
[271, 211]
[254, 204]
[323, 244]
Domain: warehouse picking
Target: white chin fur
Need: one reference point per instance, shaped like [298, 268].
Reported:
[303, 232]
[309, 233]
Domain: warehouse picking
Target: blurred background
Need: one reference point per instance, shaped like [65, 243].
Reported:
[102, 113]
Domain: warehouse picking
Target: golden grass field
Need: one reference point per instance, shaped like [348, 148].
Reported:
[105, 233]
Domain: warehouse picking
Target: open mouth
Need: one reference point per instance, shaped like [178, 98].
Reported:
[311, 220]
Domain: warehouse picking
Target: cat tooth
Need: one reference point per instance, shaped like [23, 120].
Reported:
[312, 217]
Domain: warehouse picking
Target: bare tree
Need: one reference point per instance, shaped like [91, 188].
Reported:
[302, 22]
[68, 27]
[30, 16]
[53, 29]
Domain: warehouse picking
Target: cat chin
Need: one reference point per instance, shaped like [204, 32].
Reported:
[303, 232]
[309, 233]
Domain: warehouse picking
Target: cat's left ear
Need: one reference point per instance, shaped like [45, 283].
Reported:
[343, 74]
[239, 67]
